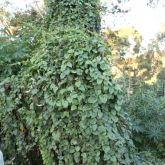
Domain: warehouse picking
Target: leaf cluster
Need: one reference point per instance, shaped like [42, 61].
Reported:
[147, 114]
[68, 102]
[81, 13]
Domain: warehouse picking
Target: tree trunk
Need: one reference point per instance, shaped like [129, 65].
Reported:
[78, 13]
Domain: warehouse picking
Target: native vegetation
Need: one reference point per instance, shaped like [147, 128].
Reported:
[70, 95]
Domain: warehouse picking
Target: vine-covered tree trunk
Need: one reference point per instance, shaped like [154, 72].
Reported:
[78, 13]
[65, 99]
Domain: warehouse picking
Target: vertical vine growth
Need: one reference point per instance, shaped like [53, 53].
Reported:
[64, 96]
[78, 13]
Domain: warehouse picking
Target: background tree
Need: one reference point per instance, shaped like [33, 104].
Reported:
[126, 46]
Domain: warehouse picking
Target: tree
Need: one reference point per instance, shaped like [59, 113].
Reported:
[63, 102]
[125, 44]
[130, 63]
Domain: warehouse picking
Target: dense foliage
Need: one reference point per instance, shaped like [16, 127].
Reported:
[69, 102]
[62, 102]
[82, 14]
[147, 113]
[59, 103]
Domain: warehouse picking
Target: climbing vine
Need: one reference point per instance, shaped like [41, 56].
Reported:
[69, 102]
[63, 104]
[79, 13]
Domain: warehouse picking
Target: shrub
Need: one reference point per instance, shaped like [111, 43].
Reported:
[147, 114]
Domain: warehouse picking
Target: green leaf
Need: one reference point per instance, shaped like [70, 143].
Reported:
[73, 142]
[77, 156]
[106, 149]
[65, 114]
[118, 108]
[70, 51]
[114, 118]
[34, 91]
[69, 64]
[79, 72]
[99, 81]
[94, 127]
[103, 98]
[77, 148]
[70, 88]
[113, 159]
[101, 49]
[54, 88]
[65, 103]
[78, 83]
[84, 155]
[73, 107]
[98, 92]
[92, 99]
[56, 136]
[100, 114]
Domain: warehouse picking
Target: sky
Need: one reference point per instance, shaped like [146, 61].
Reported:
[146, 20]
[23, 4]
